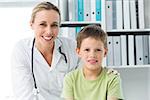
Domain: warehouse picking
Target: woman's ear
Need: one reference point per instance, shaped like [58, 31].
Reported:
[31, 24]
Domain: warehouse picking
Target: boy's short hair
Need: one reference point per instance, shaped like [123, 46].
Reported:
[93, 31]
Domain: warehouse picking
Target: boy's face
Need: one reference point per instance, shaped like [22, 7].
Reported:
[92, 52]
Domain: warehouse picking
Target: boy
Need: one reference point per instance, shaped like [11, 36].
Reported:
[91, 81]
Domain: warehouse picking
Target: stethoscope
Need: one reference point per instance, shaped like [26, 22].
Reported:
[36, 90]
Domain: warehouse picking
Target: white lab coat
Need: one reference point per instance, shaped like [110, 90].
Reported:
[49, 79]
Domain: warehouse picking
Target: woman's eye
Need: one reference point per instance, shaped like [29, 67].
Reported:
[55, 25]
[42, 24]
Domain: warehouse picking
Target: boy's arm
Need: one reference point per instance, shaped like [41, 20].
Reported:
[67, 92]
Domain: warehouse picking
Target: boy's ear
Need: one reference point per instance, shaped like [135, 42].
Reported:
[78, 51]
[106, 52]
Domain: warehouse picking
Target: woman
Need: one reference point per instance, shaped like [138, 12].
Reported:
[40, 63]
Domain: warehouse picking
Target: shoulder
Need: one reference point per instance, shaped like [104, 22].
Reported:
[111, 77]
[22, 47]
[73, 74]
[68, 41]
[26, 42]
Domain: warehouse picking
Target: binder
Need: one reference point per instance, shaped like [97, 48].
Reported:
[87, 10]
[126, 14]
[123, 49]
[103, 14]
[63, 10]
[80, 10]
[139, 50]
[145, 49]
[117, 51]
[72, 10]
[141, 14]
[119, 14]
[93, 10]
[98, 10]
[131, 49]
[80, 13]
[109, 58]
[109, 17]
[114, 14]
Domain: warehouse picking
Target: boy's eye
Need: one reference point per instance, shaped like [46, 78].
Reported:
[87, 50]
[98, 50]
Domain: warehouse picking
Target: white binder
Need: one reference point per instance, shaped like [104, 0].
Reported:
[109, 58]
[72, 10]
[109, 17]
[119, 14]
[93, 10]
[117, 50]
[145, 49]
[87, 10]
[63, 10]
[126, 14]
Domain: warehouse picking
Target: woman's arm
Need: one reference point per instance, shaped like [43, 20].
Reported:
[21, 74]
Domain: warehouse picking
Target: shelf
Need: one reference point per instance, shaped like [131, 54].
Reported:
[129, 66]
[129, 32]
[79, 23]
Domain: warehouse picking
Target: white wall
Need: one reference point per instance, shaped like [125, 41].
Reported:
[136, 83]
[14, 25]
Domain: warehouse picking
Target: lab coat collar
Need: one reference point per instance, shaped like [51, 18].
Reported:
[56, 54]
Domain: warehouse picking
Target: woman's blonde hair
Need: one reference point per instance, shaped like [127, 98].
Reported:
[43, 6]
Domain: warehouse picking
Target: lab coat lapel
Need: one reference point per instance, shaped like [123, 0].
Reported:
[38, 57]
[56, 53]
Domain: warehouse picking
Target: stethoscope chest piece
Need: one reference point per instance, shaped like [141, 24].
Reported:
[36, 91]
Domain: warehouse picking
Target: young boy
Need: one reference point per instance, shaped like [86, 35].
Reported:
[91, 81]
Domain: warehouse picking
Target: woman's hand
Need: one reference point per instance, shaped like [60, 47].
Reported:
[110, 70]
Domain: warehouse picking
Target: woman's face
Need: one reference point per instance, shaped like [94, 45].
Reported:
[45, 27]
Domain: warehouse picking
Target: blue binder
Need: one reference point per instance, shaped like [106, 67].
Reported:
[98, 10]
[80, 13]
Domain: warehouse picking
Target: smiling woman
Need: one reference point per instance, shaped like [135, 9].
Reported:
[12, 28]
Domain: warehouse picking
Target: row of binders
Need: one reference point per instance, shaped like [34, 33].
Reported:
[113, 15]
[127, 49]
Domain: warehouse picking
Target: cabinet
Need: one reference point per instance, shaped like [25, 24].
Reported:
[134, 67]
